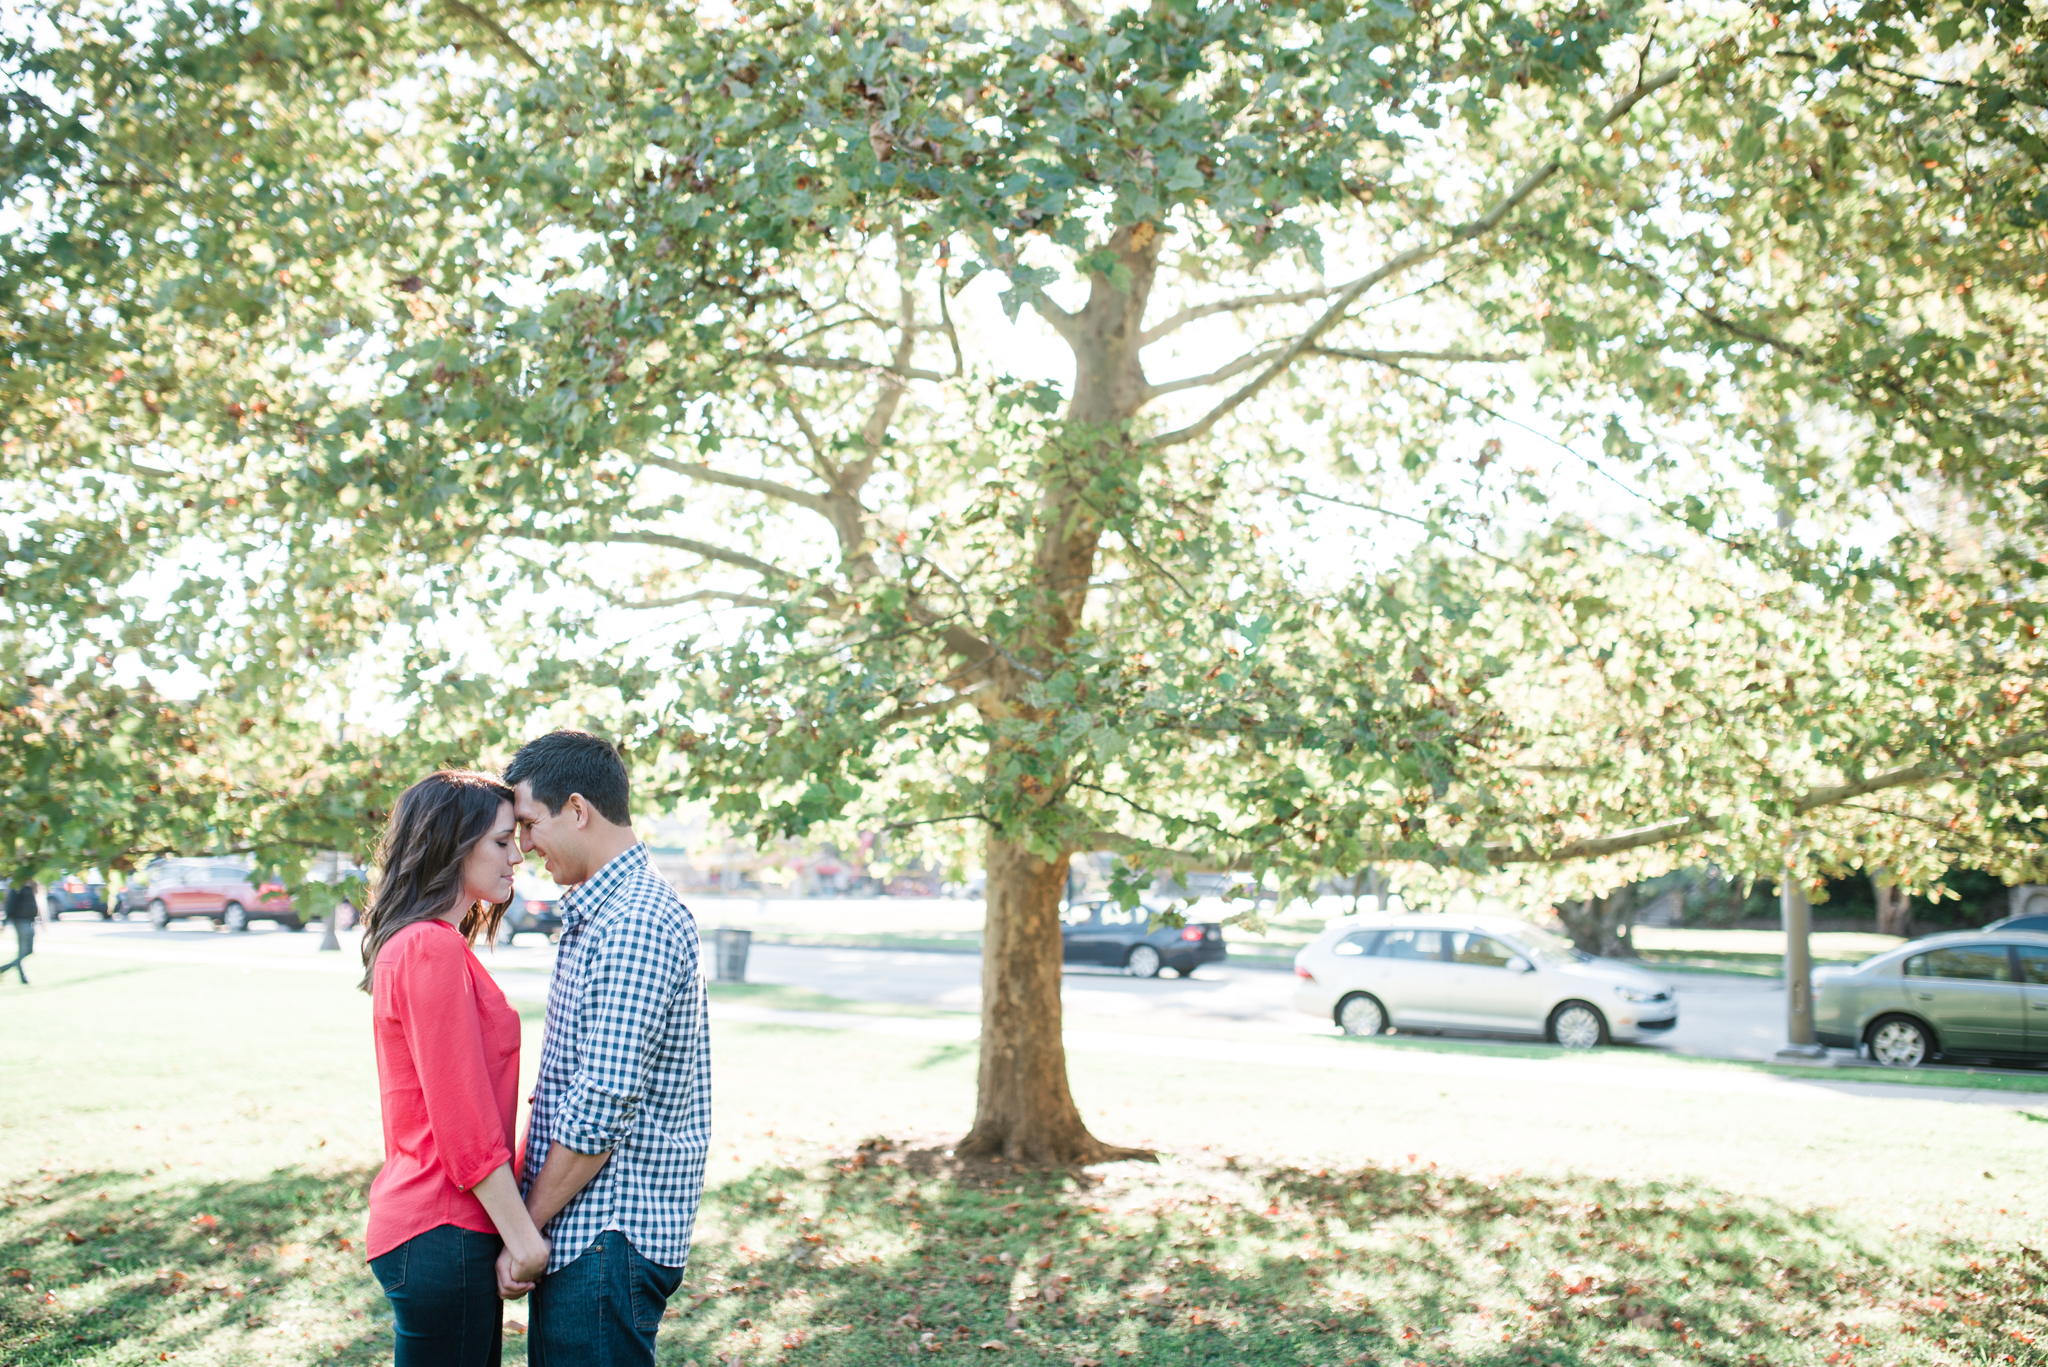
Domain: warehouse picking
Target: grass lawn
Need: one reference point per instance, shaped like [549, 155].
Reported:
[184, 1151]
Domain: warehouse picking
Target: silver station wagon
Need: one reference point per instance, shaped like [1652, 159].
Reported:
[1970, 994]
[1475, 975]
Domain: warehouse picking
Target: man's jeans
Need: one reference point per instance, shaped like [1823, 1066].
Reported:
[443, 1287]
[601, 1310]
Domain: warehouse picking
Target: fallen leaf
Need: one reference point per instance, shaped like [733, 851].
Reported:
[72, 1236]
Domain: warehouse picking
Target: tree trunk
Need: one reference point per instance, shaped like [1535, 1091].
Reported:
[1603, 925]
[1024, 1112]
[1894, 905]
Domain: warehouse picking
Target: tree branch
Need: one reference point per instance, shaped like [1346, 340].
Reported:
[723, 556]
[1395, 357]
[705, 474]
[1414, 256]
[738, 600]
[1815, 799]
[847, 363]
[1174, 322]
[496, 30]
[1217, 376]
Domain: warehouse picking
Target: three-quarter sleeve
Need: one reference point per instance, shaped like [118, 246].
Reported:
[631, 984]
[436, 1006]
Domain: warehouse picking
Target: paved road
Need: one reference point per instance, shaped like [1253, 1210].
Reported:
[1719, 1017]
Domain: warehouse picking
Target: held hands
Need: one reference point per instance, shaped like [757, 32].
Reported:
[519, 1269]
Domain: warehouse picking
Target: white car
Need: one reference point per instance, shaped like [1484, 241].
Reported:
[1485, 975]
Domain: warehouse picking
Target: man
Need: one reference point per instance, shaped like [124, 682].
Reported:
[21, 914]
[621, 1121]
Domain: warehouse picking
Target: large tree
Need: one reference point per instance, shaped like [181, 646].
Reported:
[358, 321]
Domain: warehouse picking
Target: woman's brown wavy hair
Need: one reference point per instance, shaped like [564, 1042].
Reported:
[419, 861]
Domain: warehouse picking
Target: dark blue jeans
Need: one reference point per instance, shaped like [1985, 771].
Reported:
[443, 1287]
[601, 1310]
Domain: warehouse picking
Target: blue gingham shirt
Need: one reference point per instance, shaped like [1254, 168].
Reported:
[626, 1064]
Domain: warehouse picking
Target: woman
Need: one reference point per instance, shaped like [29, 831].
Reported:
[447, 1200]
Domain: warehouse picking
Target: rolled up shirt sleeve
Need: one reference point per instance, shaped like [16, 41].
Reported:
[630, 986]
[436, 1005]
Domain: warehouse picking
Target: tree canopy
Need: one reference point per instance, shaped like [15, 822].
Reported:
[1165, 429]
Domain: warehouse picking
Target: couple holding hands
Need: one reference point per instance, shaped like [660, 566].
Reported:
[595, 1219]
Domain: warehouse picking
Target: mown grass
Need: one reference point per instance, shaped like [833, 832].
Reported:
[184, 1153]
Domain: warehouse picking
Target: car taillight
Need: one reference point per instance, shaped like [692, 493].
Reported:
[1191, 932]
[271, 887]
[73, 885]
[1301, 972]
[540, 908]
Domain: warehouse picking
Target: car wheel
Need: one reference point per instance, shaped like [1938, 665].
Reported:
[235, 917]
[1577, 1025]
[1900, 1042]
[159, 916]
[1142, 962]
[106, 916]
[290, 922]
[1361, 1014]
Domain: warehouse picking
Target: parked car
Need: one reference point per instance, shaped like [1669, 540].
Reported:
[1482, 975]
[133, 898]
[533, 909]
[1103, 933]
[1967, 994]
[227, 891]
[2034, 921]
[73, 892]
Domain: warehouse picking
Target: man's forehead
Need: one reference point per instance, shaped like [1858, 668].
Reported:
[524, 803]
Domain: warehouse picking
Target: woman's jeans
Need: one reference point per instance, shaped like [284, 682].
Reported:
[443, 1287]
[602, 1310]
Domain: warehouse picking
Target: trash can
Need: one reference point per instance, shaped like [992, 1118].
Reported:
[729, 950]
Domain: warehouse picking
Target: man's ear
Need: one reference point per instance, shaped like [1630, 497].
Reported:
[582, 809]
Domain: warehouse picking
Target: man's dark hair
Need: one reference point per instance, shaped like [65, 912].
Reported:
[565, 762]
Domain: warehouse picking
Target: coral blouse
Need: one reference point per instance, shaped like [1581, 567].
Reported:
[448, 1075]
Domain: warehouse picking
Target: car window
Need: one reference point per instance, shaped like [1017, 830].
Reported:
[2033, 964]
[1114, 915]
[2025, 923]
[1979, 963]
[1411, 944]
[1080, 914]
[1357, 942]
[1468, 947]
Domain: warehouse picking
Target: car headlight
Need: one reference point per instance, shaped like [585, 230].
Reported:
[1638, 994]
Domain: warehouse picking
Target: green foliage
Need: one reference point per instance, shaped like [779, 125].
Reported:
[335, 333]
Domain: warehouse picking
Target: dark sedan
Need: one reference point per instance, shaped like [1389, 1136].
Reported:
[1111, 936]
[74, 893]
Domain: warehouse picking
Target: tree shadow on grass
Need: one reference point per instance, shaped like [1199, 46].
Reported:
[102, 1263]
[891, 1255]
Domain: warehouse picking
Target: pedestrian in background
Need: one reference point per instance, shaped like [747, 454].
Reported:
[21, 914]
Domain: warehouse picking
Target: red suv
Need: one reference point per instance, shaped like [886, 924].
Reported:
[228, 892]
